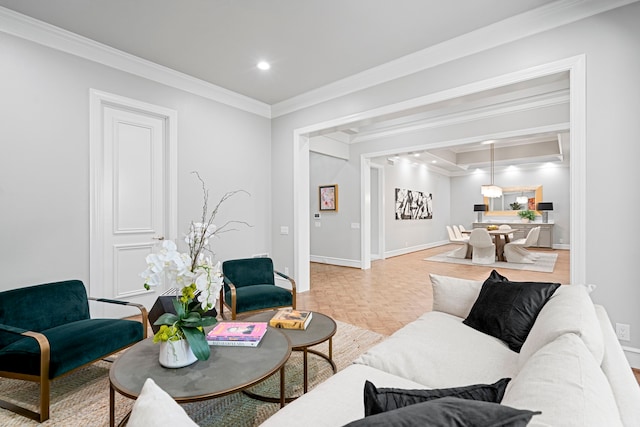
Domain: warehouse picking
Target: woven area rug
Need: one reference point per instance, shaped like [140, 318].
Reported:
[546, 263]
[82, 398]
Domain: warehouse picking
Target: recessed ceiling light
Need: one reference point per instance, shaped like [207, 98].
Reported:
[263, 65]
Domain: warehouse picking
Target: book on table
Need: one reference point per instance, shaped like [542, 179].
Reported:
[245, 334]
[288, 318]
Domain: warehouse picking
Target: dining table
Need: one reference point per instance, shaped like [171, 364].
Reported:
[500, 238]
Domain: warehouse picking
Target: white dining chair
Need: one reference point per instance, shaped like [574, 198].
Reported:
[461, 252]
[458, 234]
[461, 227]
[515, 251]
[484, 250]
[506, 227]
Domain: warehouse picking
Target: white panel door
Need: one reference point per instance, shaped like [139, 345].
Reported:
[133, 187]
[132, 197]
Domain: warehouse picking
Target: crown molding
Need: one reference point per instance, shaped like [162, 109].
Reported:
[538, 20]
[54, 37]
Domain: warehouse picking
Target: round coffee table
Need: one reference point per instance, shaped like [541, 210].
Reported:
[320, 329]
[228, 370]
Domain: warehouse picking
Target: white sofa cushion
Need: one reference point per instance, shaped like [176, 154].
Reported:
[563, 380]
[337, 401]
[437, 350]
[454, 296]
[569, 310]
[154, 407]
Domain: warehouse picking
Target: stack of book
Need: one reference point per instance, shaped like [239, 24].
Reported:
[288, 318]
[244, 334]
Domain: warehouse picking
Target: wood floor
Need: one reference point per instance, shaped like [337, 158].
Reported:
[397, 290]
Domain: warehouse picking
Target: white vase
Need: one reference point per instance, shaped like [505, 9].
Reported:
[525, 220]
[176, 354]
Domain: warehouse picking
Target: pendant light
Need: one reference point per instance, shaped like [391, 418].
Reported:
[491, 190]
[522, 199]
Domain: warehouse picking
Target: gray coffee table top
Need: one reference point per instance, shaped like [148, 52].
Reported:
[228, 369]
[320, 329]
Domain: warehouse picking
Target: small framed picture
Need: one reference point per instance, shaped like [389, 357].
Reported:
[329, 197]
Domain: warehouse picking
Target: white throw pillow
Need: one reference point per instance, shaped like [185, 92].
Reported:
[453, 295]
[154, 407]
[564, 381]
[569, 310]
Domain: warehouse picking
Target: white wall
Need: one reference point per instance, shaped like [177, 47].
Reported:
[402, 236]
[44, 165]
[331, 241]
[609, 43]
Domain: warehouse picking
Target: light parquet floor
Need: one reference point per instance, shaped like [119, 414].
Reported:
[397, 290]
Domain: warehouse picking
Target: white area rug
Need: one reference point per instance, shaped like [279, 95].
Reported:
[545, 263]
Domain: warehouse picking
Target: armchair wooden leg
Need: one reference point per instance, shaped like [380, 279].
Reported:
[44, 398]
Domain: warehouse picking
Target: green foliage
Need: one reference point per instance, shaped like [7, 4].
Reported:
[188, 323]
[515, 206]
[531, 215]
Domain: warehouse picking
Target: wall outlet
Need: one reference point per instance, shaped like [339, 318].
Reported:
[623, 331]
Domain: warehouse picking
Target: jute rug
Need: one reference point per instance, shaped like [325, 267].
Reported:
[546, 263]
[82, 398]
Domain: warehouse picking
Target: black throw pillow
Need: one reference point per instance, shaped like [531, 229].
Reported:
[507, 310]
[377, 400]
[449, 412]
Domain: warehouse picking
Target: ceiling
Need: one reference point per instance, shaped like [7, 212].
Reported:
[314, 43]
[522, 147]
[310, 43]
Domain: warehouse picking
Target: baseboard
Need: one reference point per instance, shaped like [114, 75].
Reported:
[633, 356]
[563, 246]
[408, 250]
[335, 261]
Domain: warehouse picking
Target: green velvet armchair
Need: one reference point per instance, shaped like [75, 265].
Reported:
[249, 286]
[46, 332]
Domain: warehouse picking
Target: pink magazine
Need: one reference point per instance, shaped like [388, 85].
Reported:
[237, 331]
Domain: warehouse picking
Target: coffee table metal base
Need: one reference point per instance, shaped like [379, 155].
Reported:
[321, 328]
[290, 399]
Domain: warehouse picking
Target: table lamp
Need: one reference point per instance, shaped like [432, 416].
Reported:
[545, 207]
[480, 209]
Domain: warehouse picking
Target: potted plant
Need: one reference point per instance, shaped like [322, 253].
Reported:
[527, 215]
[515, 206]
[198, 281]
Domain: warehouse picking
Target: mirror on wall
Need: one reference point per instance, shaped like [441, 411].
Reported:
[513, 200]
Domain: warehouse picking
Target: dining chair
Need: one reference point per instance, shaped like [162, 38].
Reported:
[461, 252]
[484, 250]
[506, 227]
[515, 251]
[457, 232]
[461, 227]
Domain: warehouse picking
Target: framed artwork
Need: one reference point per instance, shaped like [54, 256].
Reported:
[412, 204]
[329, 197]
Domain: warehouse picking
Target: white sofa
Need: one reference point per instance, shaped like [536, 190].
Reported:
[570, 367]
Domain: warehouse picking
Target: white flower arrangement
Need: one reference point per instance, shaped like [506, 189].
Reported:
[197, 277]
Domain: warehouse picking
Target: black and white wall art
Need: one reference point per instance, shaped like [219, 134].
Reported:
[412, 204]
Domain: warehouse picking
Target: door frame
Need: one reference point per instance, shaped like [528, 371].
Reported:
[97, 101]
[576, 66]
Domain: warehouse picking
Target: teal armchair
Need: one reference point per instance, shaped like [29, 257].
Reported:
[46, 332]
[249, 286]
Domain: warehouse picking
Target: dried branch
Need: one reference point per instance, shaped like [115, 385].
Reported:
[206, 228]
